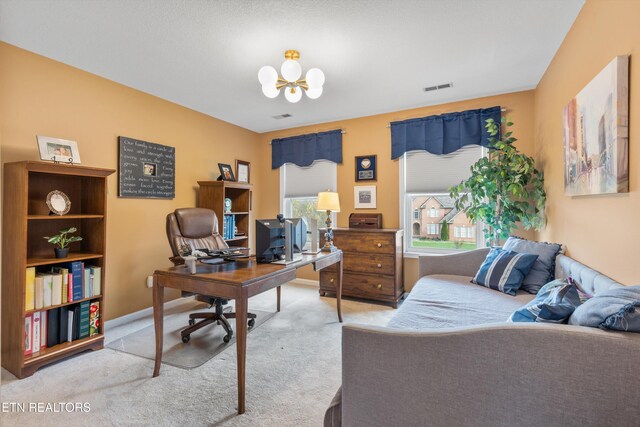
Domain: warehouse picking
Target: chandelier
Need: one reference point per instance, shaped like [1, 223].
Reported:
[290, 80]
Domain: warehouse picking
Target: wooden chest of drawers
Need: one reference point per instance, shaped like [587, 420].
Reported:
[372, 265]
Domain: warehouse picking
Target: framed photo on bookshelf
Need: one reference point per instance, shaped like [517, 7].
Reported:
[58, 150]
[226, 173]
[243, 171]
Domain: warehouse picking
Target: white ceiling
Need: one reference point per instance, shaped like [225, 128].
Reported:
[376, 55]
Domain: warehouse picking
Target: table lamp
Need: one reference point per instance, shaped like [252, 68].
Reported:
[328, 201]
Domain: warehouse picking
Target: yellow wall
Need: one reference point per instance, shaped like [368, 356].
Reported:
[600, 231]
[370, 135]
[43, 97]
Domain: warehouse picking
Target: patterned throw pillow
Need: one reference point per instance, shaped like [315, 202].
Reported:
[543, 270]
[555, 302]
[504, 270]
[617, 309]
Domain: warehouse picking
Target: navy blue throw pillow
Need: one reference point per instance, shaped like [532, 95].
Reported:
[504, 270]
[555, 302]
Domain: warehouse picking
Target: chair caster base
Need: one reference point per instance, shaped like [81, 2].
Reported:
[186, 338]
[192, 322]
[227, 338]
[252, 323]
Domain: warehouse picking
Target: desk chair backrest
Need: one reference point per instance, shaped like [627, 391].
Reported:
[196, 227]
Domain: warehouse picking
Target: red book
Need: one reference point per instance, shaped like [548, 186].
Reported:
[70, 287]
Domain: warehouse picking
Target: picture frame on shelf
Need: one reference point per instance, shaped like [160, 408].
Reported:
[226, 172]
[243, 170]
[364, 196]
[366, 168]
[58, 150]
[58, 203]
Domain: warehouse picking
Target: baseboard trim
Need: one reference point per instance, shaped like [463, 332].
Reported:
[145, 312]
[306, 282]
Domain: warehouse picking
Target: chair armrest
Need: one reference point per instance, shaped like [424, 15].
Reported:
[461, 264]
[499, 374]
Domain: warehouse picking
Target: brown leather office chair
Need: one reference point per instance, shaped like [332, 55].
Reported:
[198, 228]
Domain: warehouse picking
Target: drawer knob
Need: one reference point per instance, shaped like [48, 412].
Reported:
[379, 286]
[379, 245]
[331, 280]
[379, 265]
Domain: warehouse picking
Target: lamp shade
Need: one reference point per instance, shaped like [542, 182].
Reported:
[328, 201]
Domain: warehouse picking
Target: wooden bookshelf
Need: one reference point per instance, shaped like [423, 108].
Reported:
[212, 195]
[25, 221]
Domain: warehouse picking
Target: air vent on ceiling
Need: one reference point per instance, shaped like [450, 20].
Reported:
[282, 116]
[438, 87]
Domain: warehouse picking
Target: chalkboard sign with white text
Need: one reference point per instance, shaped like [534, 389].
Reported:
[146, 170]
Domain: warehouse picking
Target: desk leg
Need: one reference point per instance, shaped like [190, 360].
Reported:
[241, 346]
[158, 320]
[278, 290]
[339, 289]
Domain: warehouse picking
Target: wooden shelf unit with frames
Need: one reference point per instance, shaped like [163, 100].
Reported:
[25, 222]
[212, 195]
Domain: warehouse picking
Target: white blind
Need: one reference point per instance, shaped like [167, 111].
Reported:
[435, 173]
[309, 181]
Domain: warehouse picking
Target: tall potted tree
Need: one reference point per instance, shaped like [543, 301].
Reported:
[504, 188]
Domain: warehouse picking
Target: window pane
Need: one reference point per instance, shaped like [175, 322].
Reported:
[443, 228]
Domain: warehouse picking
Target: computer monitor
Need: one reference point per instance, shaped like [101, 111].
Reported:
[299, 233]
[269, 240]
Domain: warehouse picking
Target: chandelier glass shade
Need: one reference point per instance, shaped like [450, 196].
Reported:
[293, 85]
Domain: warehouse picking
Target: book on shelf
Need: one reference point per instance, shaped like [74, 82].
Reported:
[63, 324]
[76, 270]
[94, 318]
[64, 273]
[44, 329]
[28, 334]
[86, 283]
[35, 344]
[39, 292]
[53, 328]
[83, 321]
[48, 290]
[56, 289]
[96, 279]
[75, 322]
[69, 287]
[30, 294]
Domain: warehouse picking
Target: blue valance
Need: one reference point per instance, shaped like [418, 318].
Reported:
[305, 149]
[442, 134]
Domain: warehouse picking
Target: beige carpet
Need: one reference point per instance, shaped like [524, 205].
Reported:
[293, 371]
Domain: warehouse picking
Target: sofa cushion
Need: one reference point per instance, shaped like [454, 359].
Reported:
[504, 270]
[554, 304]
[543, 269]
[446, 301]
[617, 309]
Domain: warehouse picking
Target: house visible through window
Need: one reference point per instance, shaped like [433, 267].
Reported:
[427, 178]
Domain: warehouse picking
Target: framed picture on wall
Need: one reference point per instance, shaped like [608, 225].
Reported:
[364, 196]
[242, 171]
[366, 168]
[226, 173]
[58, 150]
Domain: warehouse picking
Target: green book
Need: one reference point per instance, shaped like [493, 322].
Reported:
[84, 319]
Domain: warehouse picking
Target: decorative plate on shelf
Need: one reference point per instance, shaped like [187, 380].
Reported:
[58, 202]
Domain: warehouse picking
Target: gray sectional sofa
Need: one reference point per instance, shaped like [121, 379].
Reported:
[449, 358]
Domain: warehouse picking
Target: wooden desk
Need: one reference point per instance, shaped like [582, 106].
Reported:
[237, 280]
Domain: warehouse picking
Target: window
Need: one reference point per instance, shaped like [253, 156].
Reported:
[299, 188]
[416, 214]
[425, 181]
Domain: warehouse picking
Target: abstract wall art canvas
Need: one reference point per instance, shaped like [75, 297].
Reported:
[596, 134]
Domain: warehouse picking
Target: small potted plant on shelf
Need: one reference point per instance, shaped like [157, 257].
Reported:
[62, 241]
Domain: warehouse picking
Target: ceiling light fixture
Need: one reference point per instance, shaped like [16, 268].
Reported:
[290, 80]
